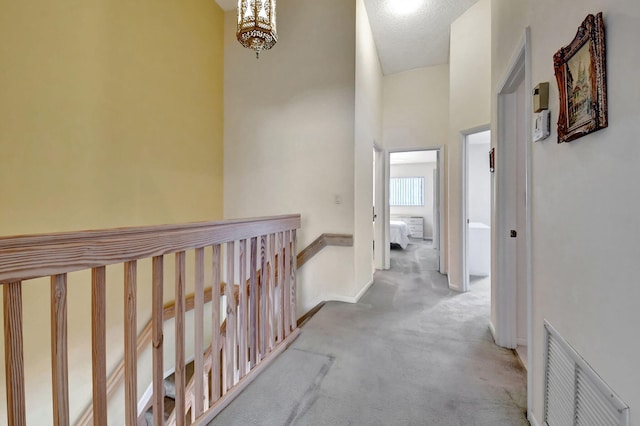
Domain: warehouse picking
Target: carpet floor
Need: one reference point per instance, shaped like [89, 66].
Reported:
[411, 352]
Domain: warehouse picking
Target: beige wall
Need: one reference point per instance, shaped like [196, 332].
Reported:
[289, 134]
[583, 201]
[416, 108]
[110, 115]
[469, 108]
[416, 115]
[368, 130]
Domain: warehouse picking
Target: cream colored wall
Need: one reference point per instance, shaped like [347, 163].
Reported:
[416, 115]
[289, 134]
[368, 130]
[469, 108]
[110, 115]
[583, 201]
[416, 108]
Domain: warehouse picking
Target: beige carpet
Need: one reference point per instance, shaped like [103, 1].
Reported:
[411, 352]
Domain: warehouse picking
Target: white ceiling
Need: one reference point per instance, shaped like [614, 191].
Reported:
[405, 41]
[413, 157]
[417, 39]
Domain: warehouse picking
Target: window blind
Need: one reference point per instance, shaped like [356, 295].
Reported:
[406, 191]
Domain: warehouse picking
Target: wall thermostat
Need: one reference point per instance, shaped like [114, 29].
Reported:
[542, 125]
[541, 97]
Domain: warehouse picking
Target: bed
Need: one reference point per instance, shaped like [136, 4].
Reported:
[399, 233]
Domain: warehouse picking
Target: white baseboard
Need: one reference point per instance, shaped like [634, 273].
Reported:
[452, 286]
[348, 299]
[364, 290]
[146, 396]
[492, 329]
[144, 399]
[521, 342]
[532, 419]
[339, 298]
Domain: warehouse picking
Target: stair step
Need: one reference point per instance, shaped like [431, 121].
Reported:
[169, 406]
[170, 381]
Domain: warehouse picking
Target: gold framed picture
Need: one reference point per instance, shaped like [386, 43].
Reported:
[580, 70]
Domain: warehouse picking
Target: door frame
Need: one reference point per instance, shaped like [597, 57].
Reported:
[379, 208]
[504, 330]
[464, 202]
[387, 210]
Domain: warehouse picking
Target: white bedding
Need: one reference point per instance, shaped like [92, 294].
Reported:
[399, 233]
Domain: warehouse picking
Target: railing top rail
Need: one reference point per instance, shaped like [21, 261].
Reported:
[33, 256]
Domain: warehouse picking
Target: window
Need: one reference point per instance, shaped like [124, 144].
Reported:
[406, 191]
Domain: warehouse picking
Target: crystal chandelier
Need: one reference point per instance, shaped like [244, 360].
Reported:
[257, 24]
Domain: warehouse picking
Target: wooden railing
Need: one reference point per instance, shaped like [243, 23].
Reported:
[144, 338]
[261, 324]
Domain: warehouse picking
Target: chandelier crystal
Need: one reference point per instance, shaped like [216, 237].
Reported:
[257, 24]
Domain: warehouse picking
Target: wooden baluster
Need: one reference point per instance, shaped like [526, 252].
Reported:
[287, 283]
[292, 281]
[199, 331]
[253, 300]
[59, 361]
[14, 357]
[99, 345]
[271, 289]
[130, 337]
[263, 296]
[215, 326]
[180, 379]
[231, 316]
[157, 339]
[279, 292]
[242, 308]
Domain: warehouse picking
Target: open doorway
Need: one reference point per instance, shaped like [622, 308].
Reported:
[477, 209]
[413, 184]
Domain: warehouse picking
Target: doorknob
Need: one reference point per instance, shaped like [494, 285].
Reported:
[514, 233]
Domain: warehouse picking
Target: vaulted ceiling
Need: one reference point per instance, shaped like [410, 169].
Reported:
[408, 33]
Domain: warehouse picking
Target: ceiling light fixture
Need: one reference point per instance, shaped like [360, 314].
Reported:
[257, 24]
[404, 7]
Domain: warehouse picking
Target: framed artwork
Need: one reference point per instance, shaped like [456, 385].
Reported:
[581, 73]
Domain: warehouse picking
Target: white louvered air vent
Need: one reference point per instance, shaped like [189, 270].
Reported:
[574, 394]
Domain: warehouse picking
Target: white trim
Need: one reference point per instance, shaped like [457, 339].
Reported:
[146, 396]
[464, 212]
[144, 399]
[506, 296]
[379, 205]
[464, 203]
[456, 287]
[522, 342]
[364, 290]
[387, 170]
[519, 68]
[528, 72]
[348, 299]
[339, 298]
[442, 267]
[532, 419]
[492, 329]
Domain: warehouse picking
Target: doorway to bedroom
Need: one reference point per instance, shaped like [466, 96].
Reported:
[414, 219]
